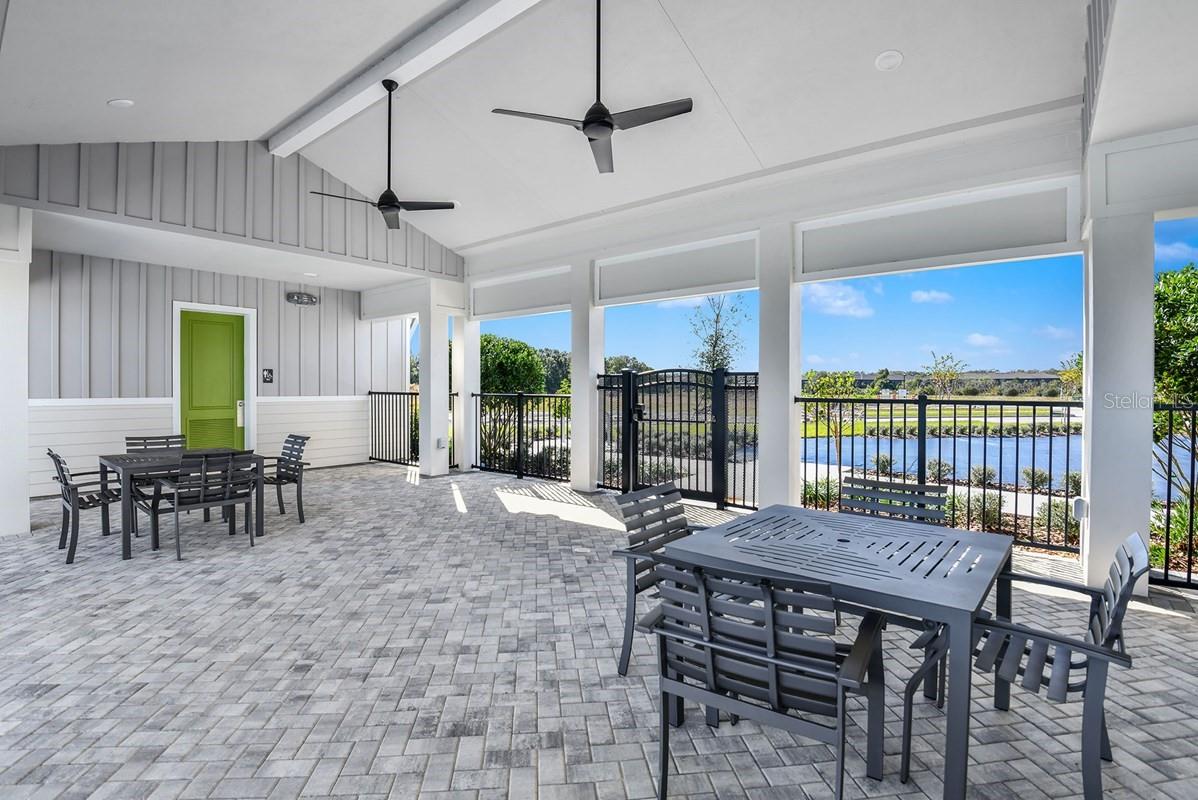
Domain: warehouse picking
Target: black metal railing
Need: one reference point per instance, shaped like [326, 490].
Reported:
[395, 427]
[453, 457]
[695, 428]
[1171, 539]
[1012, 466]
[527, 435]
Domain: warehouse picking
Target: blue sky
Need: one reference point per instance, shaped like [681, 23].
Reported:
[1014, 315]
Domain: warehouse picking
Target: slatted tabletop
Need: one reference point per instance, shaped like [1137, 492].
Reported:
[908, 567]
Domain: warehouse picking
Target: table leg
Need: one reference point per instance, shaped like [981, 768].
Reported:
[259, 519]
[960, 666]
[127, 513]
[104, 528]
[1002, 689]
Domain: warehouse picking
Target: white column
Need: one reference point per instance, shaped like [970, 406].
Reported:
[778, 318]
[1117, 432]
[16, 251]
[586, 362]
[466, 384]
[434, 389]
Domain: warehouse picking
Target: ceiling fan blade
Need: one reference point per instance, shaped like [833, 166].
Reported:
[601, 149]
[343, 197]
[643, 116]
[425, 205]
[573, 123]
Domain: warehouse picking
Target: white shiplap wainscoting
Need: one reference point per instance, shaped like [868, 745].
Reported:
[83, 430]
[339, 427]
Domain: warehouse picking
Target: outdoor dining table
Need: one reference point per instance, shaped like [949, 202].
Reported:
[923, 571]
[130, 466]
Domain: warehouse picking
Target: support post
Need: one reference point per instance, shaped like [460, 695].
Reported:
[628, 444]
[1118, 377]
[434, 388]
[778, 453]
[16, 252]
[586, 363]
[465, 381]
[719, 436]
[921, 469]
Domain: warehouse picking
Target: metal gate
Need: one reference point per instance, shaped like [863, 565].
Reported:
[693, 427]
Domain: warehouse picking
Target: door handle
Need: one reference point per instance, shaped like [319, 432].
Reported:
[240, 413]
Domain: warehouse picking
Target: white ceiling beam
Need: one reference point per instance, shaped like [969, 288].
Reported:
[449, 35]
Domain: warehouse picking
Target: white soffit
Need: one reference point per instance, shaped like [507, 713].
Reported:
[530, 293]
[716, 265]
[998, 224]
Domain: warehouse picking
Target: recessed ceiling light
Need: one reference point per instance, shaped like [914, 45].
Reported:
[311, 275]
[888, 60]
[120, 102]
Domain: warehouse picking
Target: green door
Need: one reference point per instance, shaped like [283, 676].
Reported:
[212, 379]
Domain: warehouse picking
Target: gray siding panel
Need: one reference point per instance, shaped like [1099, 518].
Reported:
[234, 176]
[102, 172]
[101, 328]
[63, 184]
[139, 180]
[20, 171]
[173, 183]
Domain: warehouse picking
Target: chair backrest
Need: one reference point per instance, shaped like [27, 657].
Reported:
[136, 444]
[653, 518]
[293, 453]
[63, 473]
[910, 501]
[210, 478]
[764, 641]
[1130, 564]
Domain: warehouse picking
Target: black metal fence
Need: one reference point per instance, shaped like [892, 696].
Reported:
[693, 427]
[1171, 540]
[524, 434]
[395, 427]
[1012, 466]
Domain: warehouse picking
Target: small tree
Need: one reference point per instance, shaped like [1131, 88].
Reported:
[613, 364]
[1071, 374]
[557, 368]
[943, 373]
[509, 365]
[838, 419]
[714, 324]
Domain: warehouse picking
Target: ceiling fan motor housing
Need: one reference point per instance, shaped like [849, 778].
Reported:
[597, 124]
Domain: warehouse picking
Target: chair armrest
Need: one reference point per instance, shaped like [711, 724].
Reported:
[83, 484]
[853, 668]
[166, 484]
[647, 623]
[693, 528]
[1076, 645]
[1057, 583]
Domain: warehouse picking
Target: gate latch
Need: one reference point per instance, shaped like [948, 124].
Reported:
[638, 411]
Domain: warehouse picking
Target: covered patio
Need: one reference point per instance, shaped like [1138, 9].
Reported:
[435, 628]
[457, 637]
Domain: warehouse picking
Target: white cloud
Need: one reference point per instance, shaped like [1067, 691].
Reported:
[985, 340]
[1176, 252]
[837, 300]
[1053, 332]
[816, 359]
[682, 302]
[930, 296]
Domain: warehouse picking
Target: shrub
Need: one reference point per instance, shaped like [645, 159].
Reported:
[981, 511]
[883, 464]
[820, 493]
[1052, 391]
[1037, 480]
[1062, 525]
[1011, 391]
[1178, 533]
[971, 391]
[552, 461]
[982, 475]
[654, 472]
[1073, 484]
[939, 471]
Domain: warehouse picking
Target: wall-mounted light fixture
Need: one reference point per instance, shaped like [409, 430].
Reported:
[302, 299]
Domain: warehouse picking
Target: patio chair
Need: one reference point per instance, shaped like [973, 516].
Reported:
[208, 481]
[914, 502]
[653, 518]
[762, 649]
[1065, 666]
[289, 468]
[137, 444]
[77, 496]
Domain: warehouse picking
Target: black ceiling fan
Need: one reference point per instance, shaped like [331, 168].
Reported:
[599, 124]
[388, 204]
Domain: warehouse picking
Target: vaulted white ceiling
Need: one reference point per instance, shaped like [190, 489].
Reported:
[199, 70]
[775, 82]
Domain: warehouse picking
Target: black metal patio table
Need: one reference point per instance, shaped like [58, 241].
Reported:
[130, 466]
[922, 571]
